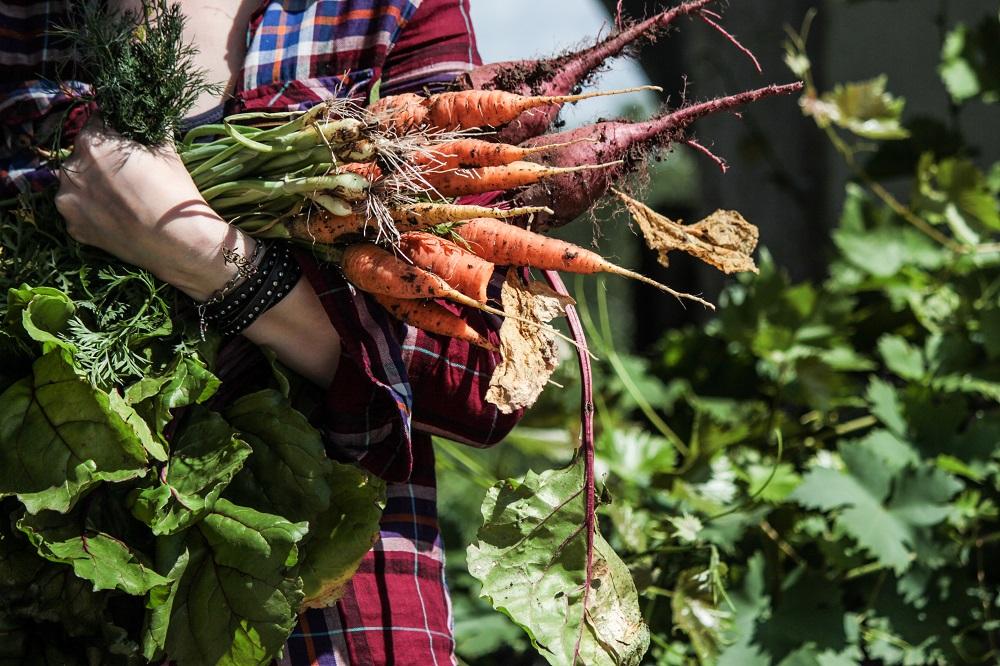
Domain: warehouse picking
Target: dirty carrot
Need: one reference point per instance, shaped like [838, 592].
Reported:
[378, 271]
[367, 170]
[434, 318]
[460, 268]
[467, 109]
[325, 228]
[507, 245]
[499, 178]
[424, 215]
[471, 153]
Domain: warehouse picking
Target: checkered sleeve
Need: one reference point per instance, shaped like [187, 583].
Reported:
[34, 110]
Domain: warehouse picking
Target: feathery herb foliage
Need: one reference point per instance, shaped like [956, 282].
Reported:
[144, 77]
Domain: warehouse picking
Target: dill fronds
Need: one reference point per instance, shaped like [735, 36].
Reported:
[144, 77]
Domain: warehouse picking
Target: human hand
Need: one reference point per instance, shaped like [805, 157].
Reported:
[140, 205]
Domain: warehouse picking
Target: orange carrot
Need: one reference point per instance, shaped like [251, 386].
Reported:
[467, 108]
[460, 268]
[498, 178]
[324, 228]
[377, 271]
[491, 108]
[401, 112]
[433, 318]
[414, 217]
[470, 153]
[507, 245]
[368, 170]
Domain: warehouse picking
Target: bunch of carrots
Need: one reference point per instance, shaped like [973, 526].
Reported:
[375, 187]
[378, 184]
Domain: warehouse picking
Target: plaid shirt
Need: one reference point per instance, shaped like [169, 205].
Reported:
[395, 385]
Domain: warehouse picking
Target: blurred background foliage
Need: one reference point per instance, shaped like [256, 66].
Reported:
[812, 474]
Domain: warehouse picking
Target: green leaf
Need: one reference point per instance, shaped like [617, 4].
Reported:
[376, 92]
[886, 405]
[864, 108]
[883, 251]
[888, 528]
[530, 558]
[105, 561]
[341, 535]
[807, 613]
[696, 612]
[288, 473]
[902, 358]
[635, 455]
[153, 445]
[749, 603]
[160, 604]
[187, 382]
[955, 192]
[237, 600]
[970, 61]
[204, 460]
[59, 436]
[43, 313]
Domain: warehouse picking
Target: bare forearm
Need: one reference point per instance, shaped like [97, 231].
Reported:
[301, 335]
[142, 206]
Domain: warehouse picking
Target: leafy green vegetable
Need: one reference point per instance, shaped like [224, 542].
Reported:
[288, 473]
[530, 557]
[203, 462]
[237, 598]
[59, 437]
[341, 535]
[95, 556]
[144, 75]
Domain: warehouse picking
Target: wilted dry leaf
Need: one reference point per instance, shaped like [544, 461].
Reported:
[723, 239]
[529, 353]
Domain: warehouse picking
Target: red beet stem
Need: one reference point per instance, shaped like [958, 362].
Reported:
[571, 195]
[562, 74]
[586, 445]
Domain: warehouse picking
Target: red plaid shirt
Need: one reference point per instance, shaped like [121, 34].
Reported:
[396, 385]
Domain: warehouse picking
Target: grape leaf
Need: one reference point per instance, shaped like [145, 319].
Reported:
[530, 558]
[970, 61]
[864, 108]
[59, 436]
[860, 498]
[902, 358]
[886, 405]
[237, 600]
[204, 460]
[955, 192]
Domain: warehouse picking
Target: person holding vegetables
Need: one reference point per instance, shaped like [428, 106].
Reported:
[386, 387]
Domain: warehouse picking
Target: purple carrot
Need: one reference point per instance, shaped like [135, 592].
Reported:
[562, 74]
[570, 195]
[586, 445]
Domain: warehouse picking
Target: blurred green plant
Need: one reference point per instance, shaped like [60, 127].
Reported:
[814, 476]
